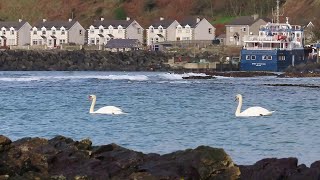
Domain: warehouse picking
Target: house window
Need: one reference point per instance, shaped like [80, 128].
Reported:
[91, 31]
[151, 40]
[139, 30]
[282, 58]
[269, 57]
[43, 32]
[244, 29]
[35, 32]
[50, 42]
[63, 32]
[12, 32]
[253, 57]
[80, 32]
[63, 41]
[157, 39]
[97, 41]
[160, 30]
[264, 57]
[92, 41]
[179, 30]
[151, 30]
[210, 30]
[3, 32]
[53, 32]
[101, 30]
[35, 42]
[60, 41]
[247, 57]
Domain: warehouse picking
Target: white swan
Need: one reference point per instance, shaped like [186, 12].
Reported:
[252, 111]
[103, 110]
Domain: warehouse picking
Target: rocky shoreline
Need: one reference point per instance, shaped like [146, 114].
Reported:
[63, 158]
[81, 60]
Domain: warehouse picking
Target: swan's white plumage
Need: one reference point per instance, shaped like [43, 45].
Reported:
[103, 110]
[252, 111]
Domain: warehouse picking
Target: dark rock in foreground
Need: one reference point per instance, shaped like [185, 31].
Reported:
[64, 158]
[198, 77]
[280, 169]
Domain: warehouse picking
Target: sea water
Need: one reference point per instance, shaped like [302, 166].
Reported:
[165, 112]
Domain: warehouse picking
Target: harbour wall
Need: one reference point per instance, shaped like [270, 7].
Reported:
[81, 60]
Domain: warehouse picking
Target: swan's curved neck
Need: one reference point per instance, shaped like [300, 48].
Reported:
[92, 105]
[239, 106]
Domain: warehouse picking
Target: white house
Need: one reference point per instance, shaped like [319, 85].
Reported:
[161, 30]
[192, 28]
[56, 33]
[14, 33]
[104, 30]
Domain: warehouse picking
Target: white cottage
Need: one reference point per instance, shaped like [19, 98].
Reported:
[14, 33]
[192, 28]
[103, 31]
[56, 33]
[161, 30]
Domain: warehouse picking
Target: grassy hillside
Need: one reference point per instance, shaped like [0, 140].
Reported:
[216, 11]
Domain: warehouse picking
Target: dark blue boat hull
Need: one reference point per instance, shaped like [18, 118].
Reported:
[270, 60]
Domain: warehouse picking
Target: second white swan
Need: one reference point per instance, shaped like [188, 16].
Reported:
[103, 110]
[252, 111]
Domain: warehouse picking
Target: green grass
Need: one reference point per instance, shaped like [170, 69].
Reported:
[223, 20]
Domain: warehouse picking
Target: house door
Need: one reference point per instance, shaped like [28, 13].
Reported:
[178, 38]
[4, 42]
[54, 42]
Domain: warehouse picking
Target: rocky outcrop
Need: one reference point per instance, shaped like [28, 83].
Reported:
[63, 158]
[285, 168]
[81, 60]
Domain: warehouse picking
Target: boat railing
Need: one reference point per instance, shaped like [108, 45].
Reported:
[265, 48]
[259, 38]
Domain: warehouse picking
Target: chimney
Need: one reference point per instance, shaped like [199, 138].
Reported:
[161, 18]
[20, 20]
[255, 16]
[102, 19]
[70, 20]
[198, 19]
[44, 20]
[128, 18]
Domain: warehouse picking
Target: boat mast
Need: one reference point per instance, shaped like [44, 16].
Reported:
[277, 13]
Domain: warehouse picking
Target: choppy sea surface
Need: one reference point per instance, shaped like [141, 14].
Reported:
[165, 112]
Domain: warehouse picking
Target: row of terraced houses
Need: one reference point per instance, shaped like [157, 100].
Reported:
[56, 33]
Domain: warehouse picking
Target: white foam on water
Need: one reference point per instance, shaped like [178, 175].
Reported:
[58, 78]
[126, 77]
[169, 76]
[172, 76]
[20, 79]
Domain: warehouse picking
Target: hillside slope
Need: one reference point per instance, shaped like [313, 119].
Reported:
[145, 11]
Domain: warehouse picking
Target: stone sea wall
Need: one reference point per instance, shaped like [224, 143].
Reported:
[81, 60]
[62, 158]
